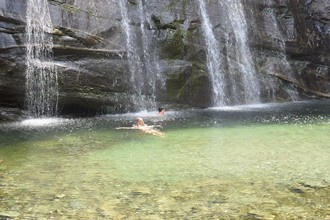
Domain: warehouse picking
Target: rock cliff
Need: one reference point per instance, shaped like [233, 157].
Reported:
[289, 43]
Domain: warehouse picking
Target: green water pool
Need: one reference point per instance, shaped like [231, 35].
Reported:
[259, 165]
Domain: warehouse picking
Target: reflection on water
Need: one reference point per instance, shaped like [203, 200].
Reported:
[251, 162]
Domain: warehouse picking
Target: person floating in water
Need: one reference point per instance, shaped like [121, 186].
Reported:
[139, 124]
[147, 129]
[161, 111]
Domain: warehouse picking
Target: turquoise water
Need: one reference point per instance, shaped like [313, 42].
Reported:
[247, 162]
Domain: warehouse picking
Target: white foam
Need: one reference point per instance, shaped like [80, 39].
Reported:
[247, 107]
[40, 122]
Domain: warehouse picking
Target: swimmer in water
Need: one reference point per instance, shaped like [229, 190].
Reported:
[147, 129]
[161, 111]
[139, 124]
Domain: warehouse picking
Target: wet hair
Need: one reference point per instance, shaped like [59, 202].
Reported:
[139, 121]
[160, 109]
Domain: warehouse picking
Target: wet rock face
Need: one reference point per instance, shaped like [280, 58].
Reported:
[289, 41]
[303, 41]
[12, 54]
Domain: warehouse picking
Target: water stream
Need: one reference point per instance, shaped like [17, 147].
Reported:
[152, 71]
[142, 59]
[239, 56]
[213, 58]
[41, 76]
[240, 82]
[134, 61]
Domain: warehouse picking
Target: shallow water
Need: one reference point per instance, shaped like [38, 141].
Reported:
[243, 162]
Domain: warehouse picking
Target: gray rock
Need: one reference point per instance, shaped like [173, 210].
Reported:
[89, 50]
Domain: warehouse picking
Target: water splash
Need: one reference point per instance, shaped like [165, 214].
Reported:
[41, 76]
[213, 58]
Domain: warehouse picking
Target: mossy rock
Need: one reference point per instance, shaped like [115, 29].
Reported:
[173, 47]
[191, 87]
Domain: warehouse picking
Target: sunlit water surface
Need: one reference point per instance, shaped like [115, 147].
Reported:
[243, 162]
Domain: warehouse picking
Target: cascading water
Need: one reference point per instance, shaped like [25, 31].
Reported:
[143, 65]
[239, 56]
[152, 69]
[41, 76]
[239, 82]
[134, 61]
[213, 58]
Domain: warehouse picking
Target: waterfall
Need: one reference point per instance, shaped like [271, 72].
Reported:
[239, 56]
[134, 61]
[41, 77]
[143, 65]
[213, 58]
[152, 69]
[233, 76]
